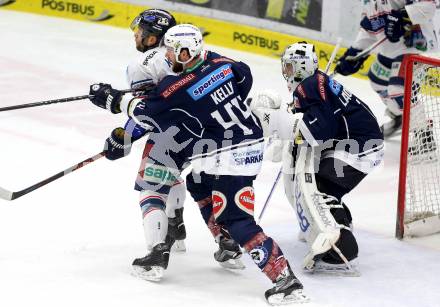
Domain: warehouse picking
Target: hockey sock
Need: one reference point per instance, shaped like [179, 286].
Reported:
[267, 255]
[155, 220]
[205, 206]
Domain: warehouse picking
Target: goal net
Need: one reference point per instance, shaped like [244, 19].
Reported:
[419, 179]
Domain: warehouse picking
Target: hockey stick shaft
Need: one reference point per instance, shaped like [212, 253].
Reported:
[8, 195]
[333, 55]
[269, 196]
[47, 102]
[366, 51]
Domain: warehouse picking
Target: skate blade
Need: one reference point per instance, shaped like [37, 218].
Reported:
[179, 246]
[233, 264]
[296, 297]
[155, 274]
[353, 272]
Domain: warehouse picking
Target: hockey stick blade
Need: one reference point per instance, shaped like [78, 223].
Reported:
[5, 194]
[8, 195]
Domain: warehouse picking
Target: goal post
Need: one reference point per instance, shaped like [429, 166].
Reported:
[418, 209]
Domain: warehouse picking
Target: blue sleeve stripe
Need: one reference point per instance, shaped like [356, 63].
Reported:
[376, 80]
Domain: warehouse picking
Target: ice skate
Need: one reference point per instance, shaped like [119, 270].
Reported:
[391, 127]
[342, 269]
[176, 232]
[288, 290]
[152, 266]
[228, 254]
[176, 245]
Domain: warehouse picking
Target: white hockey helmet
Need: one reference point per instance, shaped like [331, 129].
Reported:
[184, 36]
[298, 62]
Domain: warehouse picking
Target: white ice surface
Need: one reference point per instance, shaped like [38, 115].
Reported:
[72, 242]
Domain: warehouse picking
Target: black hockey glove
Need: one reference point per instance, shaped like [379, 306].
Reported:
[394, 26]
[106, 97]
[348, 67]
[118, 145]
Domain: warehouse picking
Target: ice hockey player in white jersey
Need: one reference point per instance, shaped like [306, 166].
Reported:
[150, 67]
[408, 28]
[334, 141]
[143, 74]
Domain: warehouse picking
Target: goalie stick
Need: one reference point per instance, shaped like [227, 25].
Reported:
[327, 68]
[8, 195]
[47, 102]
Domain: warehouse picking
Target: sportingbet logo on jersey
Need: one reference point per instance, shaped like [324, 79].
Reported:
[210, 82]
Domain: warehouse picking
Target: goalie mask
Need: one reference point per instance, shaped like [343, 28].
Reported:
[184, 36]
[298, 62]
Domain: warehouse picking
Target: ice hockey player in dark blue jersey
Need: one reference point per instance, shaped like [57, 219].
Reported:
[203, 111]
[161, 210]
[329, 128]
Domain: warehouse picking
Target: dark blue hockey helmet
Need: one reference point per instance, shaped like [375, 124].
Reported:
[153, 22]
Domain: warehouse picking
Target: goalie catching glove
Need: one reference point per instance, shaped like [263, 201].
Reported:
[275, 121]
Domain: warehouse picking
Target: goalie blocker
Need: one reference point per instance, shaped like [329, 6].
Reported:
[330, 128]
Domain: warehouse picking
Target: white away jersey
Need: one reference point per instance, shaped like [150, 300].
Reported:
[373, 17]
[149, 68]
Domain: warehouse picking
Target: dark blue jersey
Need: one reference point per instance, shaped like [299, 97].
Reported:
[207, 104]
[333, 113]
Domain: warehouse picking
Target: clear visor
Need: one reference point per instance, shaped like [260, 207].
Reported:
[135, 23]
[145, 19]
[287, 69]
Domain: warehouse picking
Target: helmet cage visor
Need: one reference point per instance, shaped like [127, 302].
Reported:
[288, 69]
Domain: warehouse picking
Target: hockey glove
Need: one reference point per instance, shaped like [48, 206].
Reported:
[118, 145]
[265, 99]
[106, 97]
[348, 67]
[394, 26]
[415, 38]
